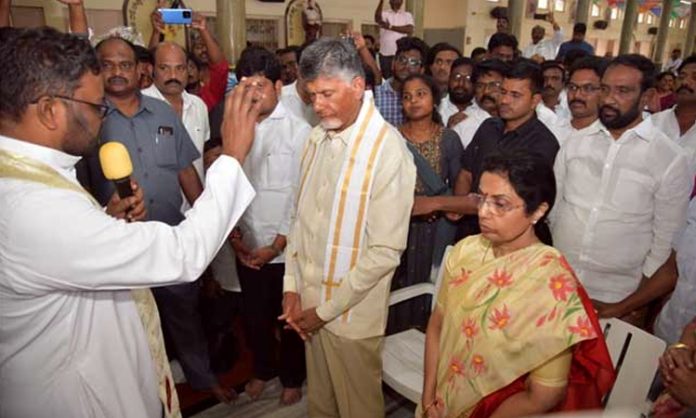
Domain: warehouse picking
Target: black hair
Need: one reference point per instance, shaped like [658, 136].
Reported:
[677, 50]
[489, 66]
[370, 37]
[531, 177]
[369, 77]
[664, 74]
[256, 60]
[478, 51]
[691, 59]
[412, 43]
[143, 54]
[640, 63]
[125, 41]
[436, 49]
[580, 28]
[574, 55]
[502, 39]
[596, 64]
[525, 69]
[292, 48]
[546, 65]
[36, 62]
[434, 91]
[462, 61]
[195, 60]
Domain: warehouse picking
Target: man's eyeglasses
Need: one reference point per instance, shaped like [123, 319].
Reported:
[497, 207]
[101, 109]
[461, 78]
[411, 62]
[491, 85]
[585, 88]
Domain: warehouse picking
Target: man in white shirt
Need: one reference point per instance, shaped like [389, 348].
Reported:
[679, 122]
[544, 48]
[622, 195]
[394, 24]
[583, 87]
[460, 92]
[674, 61]
[295, 98]
[273, 169]
[72, 343]
[170, 79]
[467, 100]
[553, 95]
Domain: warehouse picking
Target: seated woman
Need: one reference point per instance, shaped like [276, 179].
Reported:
[437, 153]
[513, 333]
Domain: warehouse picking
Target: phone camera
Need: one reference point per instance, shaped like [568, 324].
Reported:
[186, 14]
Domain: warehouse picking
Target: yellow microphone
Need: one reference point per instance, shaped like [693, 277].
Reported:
[117, 167]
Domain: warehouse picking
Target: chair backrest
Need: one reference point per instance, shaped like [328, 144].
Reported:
[635, 355]
[438, 277]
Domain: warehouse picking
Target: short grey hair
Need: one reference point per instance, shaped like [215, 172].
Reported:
[331, 57]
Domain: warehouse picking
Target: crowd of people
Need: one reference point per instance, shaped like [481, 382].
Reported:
[331, 174]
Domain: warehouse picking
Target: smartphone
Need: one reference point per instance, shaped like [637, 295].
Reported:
[176, 16]
[540, 16]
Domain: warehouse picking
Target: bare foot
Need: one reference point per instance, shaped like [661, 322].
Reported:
[290, 396]
[224, 395]
[254, 388]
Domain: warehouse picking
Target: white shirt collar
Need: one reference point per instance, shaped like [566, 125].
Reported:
[153, 91]
[58, 160]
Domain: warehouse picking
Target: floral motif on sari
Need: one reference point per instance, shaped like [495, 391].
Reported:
[503, 318]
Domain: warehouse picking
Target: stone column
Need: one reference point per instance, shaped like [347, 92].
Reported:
[417, 9]
[629, 24]
[515, 14]
[662, 32]
[690, 33]
[231, 27]
[582, 13]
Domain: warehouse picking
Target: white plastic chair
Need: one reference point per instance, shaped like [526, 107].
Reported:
[402, 357]
[635, 354]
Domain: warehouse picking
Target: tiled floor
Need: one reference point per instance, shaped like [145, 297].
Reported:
[268, 407]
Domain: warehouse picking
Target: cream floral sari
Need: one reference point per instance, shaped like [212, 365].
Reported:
[503, 317]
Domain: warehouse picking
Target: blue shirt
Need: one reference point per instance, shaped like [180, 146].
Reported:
[388, 102]
[159, 148]
[572, 45]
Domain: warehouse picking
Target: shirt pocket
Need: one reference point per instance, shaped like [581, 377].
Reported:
[278, 170]
[165, 150]
[633, 192]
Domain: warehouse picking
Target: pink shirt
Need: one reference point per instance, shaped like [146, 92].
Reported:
[388, 38]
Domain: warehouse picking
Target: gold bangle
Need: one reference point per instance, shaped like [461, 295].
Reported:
[680, 346]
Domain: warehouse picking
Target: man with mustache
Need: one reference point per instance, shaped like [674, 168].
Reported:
[679, 122]
[80, 337]
[553, 109]
[473, 96]
[622, 195]
[170, 80]
[162, 153]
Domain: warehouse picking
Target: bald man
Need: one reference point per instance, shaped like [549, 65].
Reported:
[163, 156]
[170, 79]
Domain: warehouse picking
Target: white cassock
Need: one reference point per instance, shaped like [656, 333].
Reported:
[71, 341]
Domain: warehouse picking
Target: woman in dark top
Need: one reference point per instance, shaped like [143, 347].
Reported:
[437, 154]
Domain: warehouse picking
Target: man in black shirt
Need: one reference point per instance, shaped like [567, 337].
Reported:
[516, 128]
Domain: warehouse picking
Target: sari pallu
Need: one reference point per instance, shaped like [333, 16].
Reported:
[505, 317]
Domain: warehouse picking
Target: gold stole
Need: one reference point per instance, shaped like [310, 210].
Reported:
[23, 168]
[354, 185]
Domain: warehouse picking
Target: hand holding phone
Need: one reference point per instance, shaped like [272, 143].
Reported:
[176, 16]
